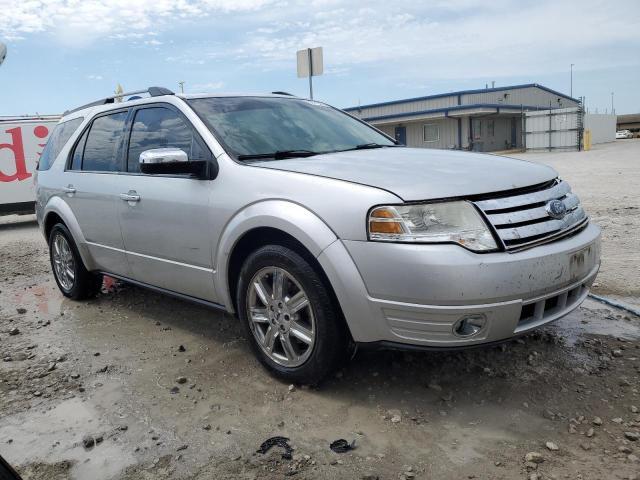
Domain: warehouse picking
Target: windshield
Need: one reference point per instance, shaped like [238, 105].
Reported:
[260, 127]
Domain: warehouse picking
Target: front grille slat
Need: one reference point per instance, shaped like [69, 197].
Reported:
[522, 221]
[550, 226]
[519, 216]
[557, 191]
[570, 201]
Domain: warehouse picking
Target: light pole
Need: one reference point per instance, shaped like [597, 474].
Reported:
[571, 94]
[181, 83]
[612, 103]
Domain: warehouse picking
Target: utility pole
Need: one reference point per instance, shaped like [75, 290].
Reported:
[571, 94]
[612, 110]
[181, 83]
[310, 73]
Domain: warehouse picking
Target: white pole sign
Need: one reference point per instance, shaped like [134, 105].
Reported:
[310, 64]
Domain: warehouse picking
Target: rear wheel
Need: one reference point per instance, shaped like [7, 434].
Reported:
[73, 279]
[290, 319]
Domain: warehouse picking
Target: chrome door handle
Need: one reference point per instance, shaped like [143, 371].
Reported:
[69, 189]
[128, 197]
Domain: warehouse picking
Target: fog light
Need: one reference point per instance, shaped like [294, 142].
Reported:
[470, 325]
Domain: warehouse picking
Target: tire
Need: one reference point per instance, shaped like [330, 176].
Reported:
[77, 283]
[320, 320]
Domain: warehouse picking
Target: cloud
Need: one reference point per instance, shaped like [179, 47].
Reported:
[207, 87]
[453, 38]
[80, 22]
[94, 77]
[405, 41]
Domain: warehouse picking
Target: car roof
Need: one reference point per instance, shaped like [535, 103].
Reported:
[94, 108]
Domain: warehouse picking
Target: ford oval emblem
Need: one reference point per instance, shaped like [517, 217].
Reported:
[556, 209]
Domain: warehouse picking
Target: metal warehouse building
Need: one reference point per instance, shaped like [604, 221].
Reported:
[629, 122]
[484, 120]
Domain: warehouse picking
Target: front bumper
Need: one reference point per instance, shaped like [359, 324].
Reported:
[415, 294]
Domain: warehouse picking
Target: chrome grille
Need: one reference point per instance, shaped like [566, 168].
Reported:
[521, 220]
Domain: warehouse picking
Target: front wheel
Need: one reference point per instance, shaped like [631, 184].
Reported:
[289, 316]
[73, 279]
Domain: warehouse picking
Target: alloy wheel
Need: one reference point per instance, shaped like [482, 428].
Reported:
[63, 262]
[280, 316]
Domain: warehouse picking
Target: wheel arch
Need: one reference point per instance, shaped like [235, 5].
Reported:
[270, 222]
[58, 211]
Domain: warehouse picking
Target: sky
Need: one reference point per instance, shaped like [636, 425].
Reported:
[63, 53]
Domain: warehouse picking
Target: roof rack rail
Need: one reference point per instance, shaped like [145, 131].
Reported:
[152, 91]
[283, 93]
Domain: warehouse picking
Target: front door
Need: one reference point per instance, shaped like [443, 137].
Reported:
[91, 188]
[165, 219]
[401, 135]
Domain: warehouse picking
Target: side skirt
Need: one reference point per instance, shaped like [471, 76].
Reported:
[170, 293]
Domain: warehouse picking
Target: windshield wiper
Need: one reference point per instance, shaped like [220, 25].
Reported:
[279, 155]
[367, 146]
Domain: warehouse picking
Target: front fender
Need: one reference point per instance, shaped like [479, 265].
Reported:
[58, 206]
[289, 217]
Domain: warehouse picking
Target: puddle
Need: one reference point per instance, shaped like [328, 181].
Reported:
[594, 318]
[56, 434]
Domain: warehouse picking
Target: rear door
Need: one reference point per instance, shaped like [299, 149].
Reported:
[92, 185]
[167, 228]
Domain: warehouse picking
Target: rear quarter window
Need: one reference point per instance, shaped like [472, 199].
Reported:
[58, 139]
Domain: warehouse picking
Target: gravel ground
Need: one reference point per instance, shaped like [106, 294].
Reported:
[135, 385]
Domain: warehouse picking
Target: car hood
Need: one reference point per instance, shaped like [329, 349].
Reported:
[421, 174]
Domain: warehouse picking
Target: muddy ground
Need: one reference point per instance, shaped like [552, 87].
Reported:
[103, 372]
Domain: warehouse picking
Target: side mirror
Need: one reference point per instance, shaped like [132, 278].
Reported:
[174, 161]
[159, 156]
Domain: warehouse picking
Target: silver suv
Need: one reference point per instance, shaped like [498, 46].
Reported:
[317, 230]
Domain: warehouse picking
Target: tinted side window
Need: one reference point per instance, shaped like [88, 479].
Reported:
[76, 162]
[160, 127]
[101, 148]
[60, 136]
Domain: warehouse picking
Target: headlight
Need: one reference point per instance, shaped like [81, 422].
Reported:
[445, 222]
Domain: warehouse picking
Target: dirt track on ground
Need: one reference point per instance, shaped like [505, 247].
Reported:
[106, 369]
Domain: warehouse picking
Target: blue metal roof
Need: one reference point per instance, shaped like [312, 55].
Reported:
[497, 106]
[463, 92]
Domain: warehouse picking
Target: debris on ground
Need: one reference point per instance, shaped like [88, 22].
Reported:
[282, 442]
[88, 441]
[342, 446]
[551, 446]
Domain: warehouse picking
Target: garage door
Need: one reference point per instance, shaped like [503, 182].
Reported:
[555, 129]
